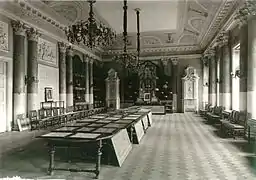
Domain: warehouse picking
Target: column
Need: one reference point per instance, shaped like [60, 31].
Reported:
[87, 79]
[91, 83]
[243, 68]
[174, 83]
[19, 93]
[212, 73]
[32, 70]
[62, 72]
[205, 66]
[69, 77]
[251, 71]
[219, 101]
[225, 72]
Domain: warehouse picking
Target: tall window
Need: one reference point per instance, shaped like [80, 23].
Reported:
[235, 79]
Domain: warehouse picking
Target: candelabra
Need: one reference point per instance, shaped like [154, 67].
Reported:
[90, 32]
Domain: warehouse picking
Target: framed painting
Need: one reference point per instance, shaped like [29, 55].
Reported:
[48, 94]
[146, 97]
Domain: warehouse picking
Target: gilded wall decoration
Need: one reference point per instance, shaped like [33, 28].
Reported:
[47, 51]
[3, 36]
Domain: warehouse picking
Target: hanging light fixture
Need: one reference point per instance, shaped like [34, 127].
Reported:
[90, 32]
[128, 60]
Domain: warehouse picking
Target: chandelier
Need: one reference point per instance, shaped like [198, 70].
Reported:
[90, 32]
[129, 61]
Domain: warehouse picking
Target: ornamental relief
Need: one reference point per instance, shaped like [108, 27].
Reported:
[148, 41]
[3, 36]
[47, 51]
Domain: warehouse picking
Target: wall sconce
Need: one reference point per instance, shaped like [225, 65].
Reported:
[29, 80]
[206, 84]
[236, 74]
[218, 81]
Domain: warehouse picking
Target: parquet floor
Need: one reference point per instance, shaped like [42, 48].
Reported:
[177, 147]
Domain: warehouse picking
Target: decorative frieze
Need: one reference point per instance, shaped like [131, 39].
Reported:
[3, 36]
[47, 51]
[33, 34]
[245, 12]
[19, 28]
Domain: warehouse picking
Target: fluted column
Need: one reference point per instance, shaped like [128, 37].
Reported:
[69, 76]
[62, 72]
[205, 66]
[174, 83]
[87, 79]
[243, 68]
[251, 71]
[32, 70]
[19, 93]
[91, 83]
[212, 78]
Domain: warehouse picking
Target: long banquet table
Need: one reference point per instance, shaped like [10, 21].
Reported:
[116, 129]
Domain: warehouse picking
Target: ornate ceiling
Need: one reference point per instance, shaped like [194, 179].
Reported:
[167, 27]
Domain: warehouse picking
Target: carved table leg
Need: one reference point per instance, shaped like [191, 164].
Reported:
[98, 161]
[51, 165]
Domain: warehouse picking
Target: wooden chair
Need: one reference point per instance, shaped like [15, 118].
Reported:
[35, 123]
[23, 122]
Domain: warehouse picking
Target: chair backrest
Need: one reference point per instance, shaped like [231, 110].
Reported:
[55, 112]
[241, 120]
[235, 117]
[62, 110]
[48, 112]
[23, 122]
[41, 113]
[32, 115]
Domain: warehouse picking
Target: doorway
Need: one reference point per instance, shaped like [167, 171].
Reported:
[3, 120]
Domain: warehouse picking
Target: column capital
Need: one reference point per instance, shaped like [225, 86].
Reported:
[165, 61]
[33, 34]
[210, 53]
[223, 38]
[70, 51]
[18, 28]
[62, 47]
[91, 61]
[86, 58]
[174, 61]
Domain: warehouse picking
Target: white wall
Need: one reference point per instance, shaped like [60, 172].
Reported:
[48, 77]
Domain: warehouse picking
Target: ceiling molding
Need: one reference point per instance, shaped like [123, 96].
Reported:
[161, 57]
[229, 24]
[42, 31]
[220, 18]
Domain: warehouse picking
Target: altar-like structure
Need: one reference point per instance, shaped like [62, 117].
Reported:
[147, 76]
[190, 81]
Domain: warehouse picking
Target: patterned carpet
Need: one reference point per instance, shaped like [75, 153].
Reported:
[177, 147]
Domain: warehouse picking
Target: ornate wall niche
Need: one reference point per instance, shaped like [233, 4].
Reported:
[47, 52]
[4, 36]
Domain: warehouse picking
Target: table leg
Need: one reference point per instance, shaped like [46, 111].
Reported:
[98, 161]
[131, 134]
[51, 165]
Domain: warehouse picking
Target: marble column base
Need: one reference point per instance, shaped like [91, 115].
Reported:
[32, 101]
[213, 99]
[87, 98]
[251, 104]
[226, 99]
[69, 100]
[91, 99]
[19, 107]
[242, 101]
[174, 103]
[63, 97]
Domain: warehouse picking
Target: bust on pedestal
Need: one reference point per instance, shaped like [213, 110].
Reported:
[112, 90]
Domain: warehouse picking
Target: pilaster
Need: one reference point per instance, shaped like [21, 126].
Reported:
[62, 72]
[69, 76]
